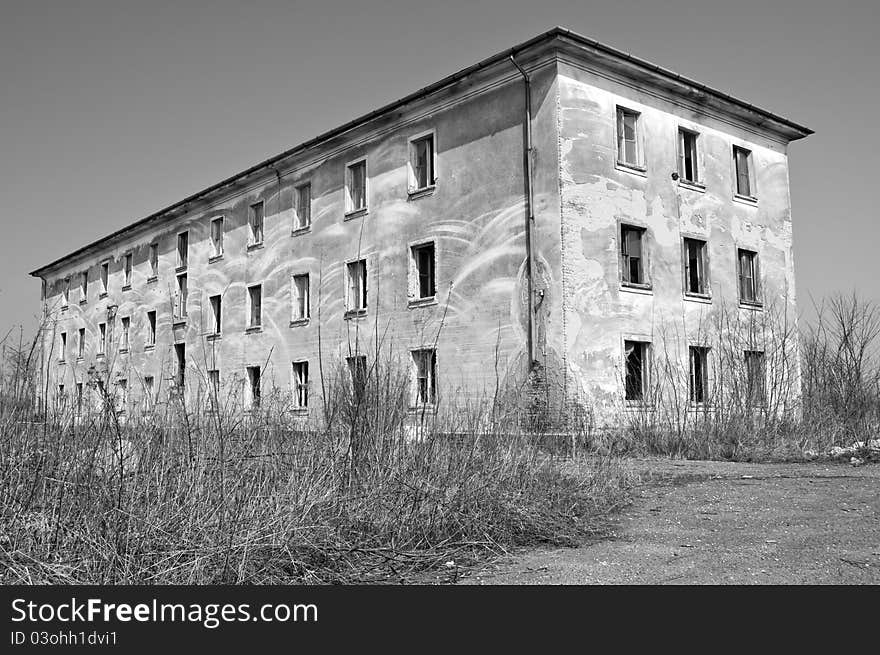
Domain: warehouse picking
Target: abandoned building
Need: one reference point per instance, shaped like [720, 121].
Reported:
[561, 207]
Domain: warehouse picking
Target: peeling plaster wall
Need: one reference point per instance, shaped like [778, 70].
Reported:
[597, 195]
[476, 215]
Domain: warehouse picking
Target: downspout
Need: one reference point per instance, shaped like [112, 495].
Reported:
[530, 214]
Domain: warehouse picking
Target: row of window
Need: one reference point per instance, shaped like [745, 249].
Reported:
[695, 263]
[630, 153]
[637, 382]
[424, 387]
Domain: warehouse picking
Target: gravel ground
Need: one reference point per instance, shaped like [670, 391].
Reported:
[724, 523]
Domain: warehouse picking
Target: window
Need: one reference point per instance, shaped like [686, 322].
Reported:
[214, 387]
[699, 374]
[148, 392]
[105, 278]
[79, 397]
[217, 237]
[423, 265]
[687, 156]
[632, 255]
[81, 344]
[151, 329]
[182, 293]
[121, 396]
[255, 221]
[180, 355]
[628, 151]
[421, 163]
[65, 293]
[126, 268]
[216, 313]
[102, 341]
[253, 373]
[154, 261]
[747, 265]
[754, 360]
[425, 368]
[742, 160]
[357, 367]
[300, 385]
[255, 306]
[84, 287]
[356, 289]
[182, 250]
[303, 209]
[696, 279]
[300, 297]
[356, 187]
[63, 347]
[636, 369]
[123, 342]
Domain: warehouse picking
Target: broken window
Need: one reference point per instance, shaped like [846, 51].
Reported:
[357, 368]
[747, 265]
[182, 250]
[180, 354]
[123, 341]
[421, 161]
[126, 268]
[63, 347]
[102, 340]
[627, 137]
[151, 328]
[154, 260]
[105, 277]
[254, 386]
[356, 295]
[636, 373]
[423, 261]
[255, 306]
[754, 360]
[81, 344]
[356, 187]
[632, 255]
[742, 164]
[303, 217]
[216, 313]
[695, 267]
[182, 293]
[300, 291]
[687, 155]
[255, 221]
[425, 368]
[217, 236]
[699, 374]
[300, 384]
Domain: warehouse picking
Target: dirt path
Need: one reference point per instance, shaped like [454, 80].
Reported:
[723, 523]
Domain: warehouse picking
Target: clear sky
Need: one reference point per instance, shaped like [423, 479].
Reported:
[112, 110]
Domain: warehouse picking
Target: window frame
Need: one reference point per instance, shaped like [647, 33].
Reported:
[65, 293]
[358, 364]
[182, 254]
[696, 157]
[620, 113]
[181, 297]
[250, 325]
[217, 243]
[254, 380]
[350, 210]
[363, 288]
[127, 270]
[431, 391]
[752, 196]
[416, 299]
[151, 329]
[623, 261]
[153, 262]
[81, 344]
[299, 388]
[216, 315]
[125, 336]
[84, 287]
[645, 344]
[706, 293]
[299, 227]
[62, 355]
[705, 352]
[757, 288]
[253, 242]
[104, 277]
[295, 296]
[414, 189]
[751, 400]
[102, 339]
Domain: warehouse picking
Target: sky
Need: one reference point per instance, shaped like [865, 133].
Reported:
[110, 111]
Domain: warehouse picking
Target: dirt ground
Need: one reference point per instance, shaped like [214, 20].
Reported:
[724, 523]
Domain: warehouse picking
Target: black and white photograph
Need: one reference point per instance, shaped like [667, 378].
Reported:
[413, 298]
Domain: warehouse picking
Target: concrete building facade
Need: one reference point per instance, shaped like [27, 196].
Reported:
[561, 207]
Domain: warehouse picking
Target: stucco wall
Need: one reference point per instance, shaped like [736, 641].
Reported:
[597, 195]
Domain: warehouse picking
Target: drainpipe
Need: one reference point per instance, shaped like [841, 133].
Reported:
[530, 214]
